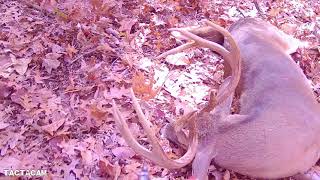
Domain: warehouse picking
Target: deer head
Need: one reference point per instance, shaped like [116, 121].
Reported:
[276, 103]
[232, 56]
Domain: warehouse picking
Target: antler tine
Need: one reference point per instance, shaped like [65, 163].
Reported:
[200, 41]
[201, 31]
[235, 64]
[125, 132]
[177, 49]
[232, 57]
[156, 155]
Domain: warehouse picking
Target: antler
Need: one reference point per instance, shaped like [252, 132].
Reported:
[157, 155]
[205, 32]
[232, 57]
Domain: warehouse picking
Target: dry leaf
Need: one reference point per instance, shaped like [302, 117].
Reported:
[132, 168]
[126, 24]
[105, 47]
[87, 157]
[5, 90]
[115, 93]
[55, 48]
[274, 12]
[288, 28]
[105, 167]
[142, 86]
[226, 175]
[51, 128]
[5, 66]
[179, 59]
[97, 113]
[51, 61]
[123, 152]
[145, 64]
[71, 50]
[21, 65]
[10, 162]
[3, 125]
[81, 37]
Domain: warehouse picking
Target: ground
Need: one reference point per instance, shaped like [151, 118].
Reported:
[63, 62]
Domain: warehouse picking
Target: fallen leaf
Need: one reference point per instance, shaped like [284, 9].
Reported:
[105, 167]
[87, 157]
[226, 175]
[81, 37]
[97, 112]
[3, 125]
[105, 47]
[115, 92]
[68, 146]
[9, 162]
[6, 66]
[51, 61]
[288, 28]
[71, 50]
[132, 167]
[21, 65]
[274, 12]
[179, 59]
[51, 128]
[123, 152]
[126, 24]
[143, 86]
[145, 64]
[5, 90]
[55, 48]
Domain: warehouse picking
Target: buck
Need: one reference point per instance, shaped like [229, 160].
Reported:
[275, 134]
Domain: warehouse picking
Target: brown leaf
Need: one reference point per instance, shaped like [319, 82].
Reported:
[51, 128]
[115, 93]
[87, 157]
[51, 61]
[81, 37]
[274, 12]
[5, 90]
[123, 152]
[143, 86]
[126, 24]
[71, 50]
[105, 48]
[21, 65]
[97, 113]
[105, 167]
[10, 162]
[226, 175]
[5, 66]
[173, 21]
[3, 125]
[179, 59]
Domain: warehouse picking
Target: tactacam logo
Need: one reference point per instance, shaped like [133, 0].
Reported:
[25, 172]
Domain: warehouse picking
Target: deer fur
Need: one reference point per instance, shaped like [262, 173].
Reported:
[277, 131]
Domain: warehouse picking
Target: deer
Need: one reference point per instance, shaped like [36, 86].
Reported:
[274, 135]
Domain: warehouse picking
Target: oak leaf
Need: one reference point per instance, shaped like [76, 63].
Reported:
[143, 87]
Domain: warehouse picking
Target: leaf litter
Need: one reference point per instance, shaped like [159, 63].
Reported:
[62, 63]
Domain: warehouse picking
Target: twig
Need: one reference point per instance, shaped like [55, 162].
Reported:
[241, 13]
[261, 14]
[83, 54]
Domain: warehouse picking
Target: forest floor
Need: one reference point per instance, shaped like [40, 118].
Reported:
[62, 62]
